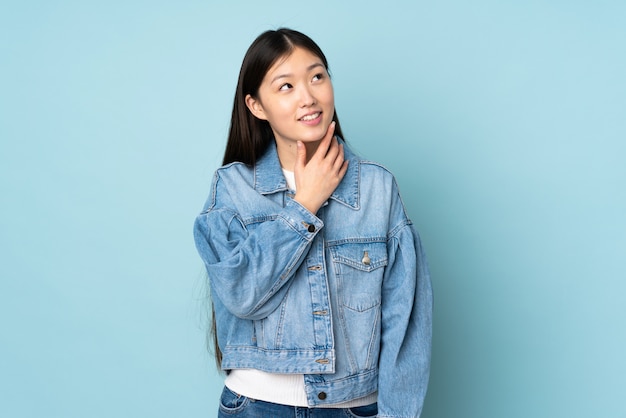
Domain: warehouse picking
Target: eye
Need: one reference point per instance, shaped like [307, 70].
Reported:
[285, 87]
[318, 77]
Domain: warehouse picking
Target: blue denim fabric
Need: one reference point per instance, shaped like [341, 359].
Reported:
[342, 296]
[233, 405]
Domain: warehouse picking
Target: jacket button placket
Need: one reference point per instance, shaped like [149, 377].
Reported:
[320, 302]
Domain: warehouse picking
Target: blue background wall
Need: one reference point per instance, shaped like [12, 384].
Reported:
[503, 121]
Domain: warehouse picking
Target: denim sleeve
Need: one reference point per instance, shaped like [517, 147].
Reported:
[406, 334]
[249, 268]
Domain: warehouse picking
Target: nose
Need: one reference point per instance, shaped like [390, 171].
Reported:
[307, 97]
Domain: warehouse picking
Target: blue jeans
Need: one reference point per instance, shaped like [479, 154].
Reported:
[237, 406]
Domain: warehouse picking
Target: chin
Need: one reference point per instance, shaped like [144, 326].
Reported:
[311, 139]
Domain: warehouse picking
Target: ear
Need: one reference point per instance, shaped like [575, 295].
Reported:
[255, 107]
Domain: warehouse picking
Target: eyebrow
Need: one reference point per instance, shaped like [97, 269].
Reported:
[309, 68]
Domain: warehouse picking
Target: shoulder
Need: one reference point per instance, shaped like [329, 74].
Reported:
[234, 172]
[378, 188]
[368, 167]
[373, 167]
[228, 179]
[376, 175]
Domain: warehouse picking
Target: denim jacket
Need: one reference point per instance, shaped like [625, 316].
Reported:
[342, 296]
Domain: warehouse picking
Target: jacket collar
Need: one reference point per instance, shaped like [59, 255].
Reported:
[269, 178]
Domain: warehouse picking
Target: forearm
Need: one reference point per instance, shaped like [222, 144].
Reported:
[404, 364]
[249, 264]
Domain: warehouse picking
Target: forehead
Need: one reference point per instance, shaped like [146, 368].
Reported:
[298, 60]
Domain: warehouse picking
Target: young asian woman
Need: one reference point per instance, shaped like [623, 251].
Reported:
[322, 298]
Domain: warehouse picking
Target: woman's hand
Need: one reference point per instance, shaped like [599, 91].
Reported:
[318, 178]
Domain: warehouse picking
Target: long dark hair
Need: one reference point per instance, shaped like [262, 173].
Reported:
[249, 137]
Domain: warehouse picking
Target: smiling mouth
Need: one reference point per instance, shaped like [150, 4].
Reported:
[310, 117]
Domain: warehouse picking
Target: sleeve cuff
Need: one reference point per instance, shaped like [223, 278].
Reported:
[303, 221]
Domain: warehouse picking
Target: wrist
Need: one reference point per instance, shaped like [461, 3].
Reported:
[309, 204]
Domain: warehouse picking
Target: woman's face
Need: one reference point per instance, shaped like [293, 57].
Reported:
[296, 98]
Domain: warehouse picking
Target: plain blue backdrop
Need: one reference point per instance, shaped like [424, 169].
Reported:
[504, 122]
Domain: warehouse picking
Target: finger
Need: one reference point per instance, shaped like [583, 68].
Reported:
[339, 159]
[330, 132]
[322, 148]
[301, 155]
[344, 169]
[333, 150]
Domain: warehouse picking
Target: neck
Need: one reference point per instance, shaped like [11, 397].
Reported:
[288, 153]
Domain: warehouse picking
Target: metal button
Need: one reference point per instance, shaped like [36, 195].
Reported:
[366, 259]
[311, 228]
[321, 396]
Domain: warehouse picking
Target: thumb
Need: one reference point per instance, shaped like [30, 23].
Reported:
[301, 156]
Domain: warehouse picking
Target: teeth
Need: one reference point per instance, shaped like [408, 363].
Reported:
[311, 117]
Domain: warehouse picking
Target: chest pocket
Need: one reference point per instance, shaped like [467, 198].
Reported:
[359, 267]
